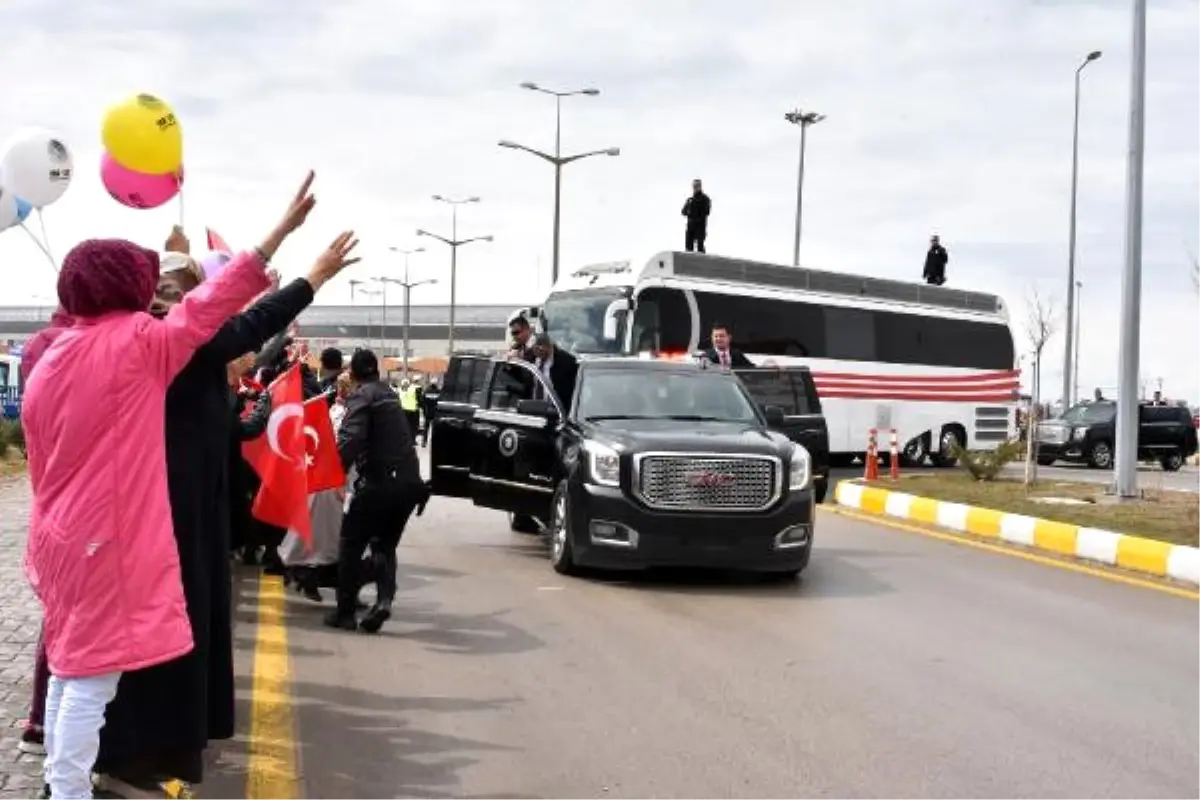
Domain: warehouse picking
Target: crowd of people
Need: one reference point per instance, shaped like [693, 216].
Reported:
[140, 394]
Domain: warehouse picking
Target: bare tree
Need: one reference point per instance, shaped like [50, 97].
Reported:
[1041, 323]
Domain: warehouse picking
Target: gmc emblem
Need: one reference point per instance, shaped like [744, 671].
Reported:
[710, 480]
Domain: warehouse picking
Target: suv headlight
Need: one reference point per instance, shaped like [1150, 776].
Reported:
[1079, 433]
[800, 469]
[604, 464]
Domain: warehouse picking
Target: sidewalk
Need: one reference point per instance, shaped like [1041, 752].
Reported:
[20, 620]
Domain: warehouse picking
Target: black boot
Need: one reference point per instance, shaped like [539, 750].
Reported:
[336, 619]
[385, 588]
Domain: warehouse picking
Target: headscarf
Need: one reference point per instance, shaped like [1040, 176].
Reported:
[37, 346]
[103, 275]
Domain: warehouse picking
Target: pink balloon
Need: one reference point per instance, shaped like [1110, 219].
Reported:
[137, 189]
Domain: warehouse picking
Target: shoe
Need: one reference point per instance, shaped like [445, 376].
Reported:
[33, 741]
[335, 620]
[375, 618]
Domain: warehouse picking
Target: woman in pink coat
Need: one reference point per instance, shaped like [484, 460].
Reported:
[101, 555]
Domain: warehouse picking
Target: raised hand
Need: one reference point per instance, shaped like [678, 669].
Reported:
[293, 217]
[335, 259]
[178, 242]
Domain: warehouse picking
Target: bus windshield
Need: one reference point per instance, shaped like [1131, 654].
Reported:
[575, 320]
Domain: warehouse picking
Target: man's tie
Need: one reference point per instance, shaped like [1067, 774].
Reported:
[724, 358]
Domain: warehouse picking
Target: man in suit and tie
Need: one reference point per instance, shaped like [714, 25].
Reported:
[522, 336]
[558, 367]
[722, 351]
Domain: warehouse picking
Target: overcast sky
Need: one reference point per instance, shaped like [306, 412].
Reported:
[943, 116]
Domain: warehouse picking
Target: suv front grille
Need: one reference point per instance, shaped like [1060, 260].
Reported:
[682, 482]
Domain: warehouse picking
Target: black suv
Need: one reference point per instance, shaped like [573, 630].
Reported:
[1087, 433]
[650, 463]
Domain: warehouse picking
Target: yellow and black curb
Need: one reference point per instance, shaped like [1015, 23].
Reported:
[1148, 556]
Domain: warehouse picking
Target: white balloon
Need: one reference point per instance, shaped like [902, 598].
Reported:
[8, 208]
[37, 166]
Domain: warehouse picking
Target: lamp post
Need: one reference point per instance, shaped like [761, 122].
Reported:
[1078, 327]
[369, 293]
[557, 159]
[454, 243]
[1131, 281]
[1067, 371]
[408, 286]
[804, 119]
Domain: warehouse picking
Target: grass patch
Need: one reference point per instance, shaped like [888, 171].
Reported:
[1167, 516]
[11, 464]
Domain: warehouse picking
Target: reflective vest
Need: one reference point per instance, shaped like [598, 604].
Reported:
[408, 399]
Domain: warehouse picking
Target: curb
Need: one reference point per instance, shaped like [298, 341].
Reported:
[1148, 556]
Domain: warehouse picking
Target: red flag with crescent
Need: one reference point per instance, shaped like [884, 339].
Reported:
[280, 457]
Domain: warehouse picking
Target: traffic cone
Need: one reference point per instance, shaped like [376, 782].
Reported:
[894, 461]
[871, 467]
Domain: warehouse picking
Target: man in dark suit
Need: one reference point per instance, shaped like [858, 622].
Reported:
[722, 351]
[935, 262]
[557, 366]
[697, 209]
[522, 336]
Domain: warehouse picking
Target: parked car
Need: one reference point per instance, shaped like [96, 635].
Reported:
[649, 463]
[1087, 432]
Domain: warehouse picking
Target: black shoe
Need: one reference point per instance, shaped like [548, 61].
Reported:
[375, 618]
[336, 620]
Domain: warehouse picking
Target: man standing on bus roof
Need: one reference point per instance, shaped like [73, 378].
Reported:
[722, 351]
[696, 208]
[935, 262]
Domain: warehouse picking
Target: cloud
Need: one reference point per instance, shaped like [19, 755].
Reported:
[942, 115]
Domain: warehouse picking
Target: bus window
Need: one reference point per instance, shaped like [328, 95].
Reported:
[849, 333]
[663, 321]
[765, 326]
[940, 342]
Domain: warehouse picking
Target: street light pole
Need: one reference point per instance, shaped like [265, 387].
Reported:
[1078, 327]
[1067, 372]
[408, 286]
[804, 119]
[454, 243]
[557, 160]
[1131, 281]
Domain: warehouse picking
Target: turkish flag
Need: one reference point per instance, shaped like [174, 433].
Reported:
[217, 244]
[280, 458]
[324, 464]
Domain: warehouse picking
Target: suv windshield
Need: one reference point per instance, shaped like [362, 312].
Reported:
[1089, 413]
[575, 320]
[690, 396]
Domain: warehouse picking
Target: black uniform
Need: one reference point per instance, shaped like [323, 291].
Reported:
[696, 208]
[935, 265]
[375, 439]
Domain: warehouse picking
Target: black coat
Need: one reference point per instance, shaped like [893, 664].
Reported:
[374, 436]
[737, 359]
[563, 370]
[243, 481]
[164, 716]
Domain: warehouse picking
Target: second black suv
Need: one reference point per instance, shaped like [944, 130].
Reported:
[649, 463]
[1087, 433]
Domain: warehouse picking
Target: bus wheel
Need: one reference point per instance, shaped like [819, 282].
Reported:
[916, 451]
[944, 457]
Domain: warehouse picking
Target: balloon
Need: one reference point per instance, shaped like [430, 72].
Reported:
[213, 263]
[142, 134]
[23, 209]
[8, 209]
[36, 166]
[136, 189]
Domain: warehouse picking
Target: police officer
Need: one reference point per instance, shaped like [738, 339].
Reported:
[411, 405]
[375, 439]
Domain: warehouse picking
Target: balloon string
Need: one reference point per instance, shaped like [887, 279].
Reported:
[39, 244]
[46, 240]
[179, 183]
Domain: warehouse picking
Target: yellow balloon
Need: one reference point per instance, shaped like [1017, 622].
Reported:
[142, 134]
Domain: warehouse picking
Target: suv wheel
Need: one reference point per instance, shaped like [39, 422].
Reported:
[1172, 461]
[562, 555]
[1101, 456]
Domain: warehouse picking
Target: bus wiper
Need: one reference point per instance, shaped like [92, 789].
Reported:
[603, 417]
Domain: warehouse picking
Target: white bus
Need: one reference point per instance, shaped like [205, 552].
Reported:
[936, 364]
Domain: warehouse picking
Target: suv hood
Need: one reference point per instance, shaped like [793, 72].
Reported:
[639, 436]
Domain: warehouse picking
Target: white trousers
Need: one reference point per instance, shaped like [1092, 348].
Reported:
[74, 716]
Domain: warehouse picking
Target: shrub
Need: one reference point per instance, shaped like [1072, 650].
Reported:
[986, 465]
[12, 437]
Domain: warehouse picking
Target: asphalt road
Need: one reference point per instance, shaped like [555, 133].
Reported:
[899, 666]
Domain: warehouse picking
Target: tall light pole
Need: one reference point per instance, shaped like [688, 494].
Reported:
[1067, 371]
[1131, 281]
[557, 159]
[408, 287]
[454, 243]
[804, 119]
[1078, 327]
[369, 293]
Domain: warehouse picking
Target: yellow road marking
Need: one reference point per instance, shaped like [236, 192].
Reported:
[272, 771]
[1009, 551]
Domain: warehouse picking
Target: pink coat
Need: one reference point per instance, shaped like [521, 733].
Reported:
[101, 554]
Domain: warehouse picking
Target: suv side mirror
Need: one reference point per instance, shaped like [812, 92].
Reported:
[537, 408]
[774, 415]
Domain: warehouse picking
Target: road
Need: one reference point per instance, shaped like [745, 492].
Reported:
[900, 665]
